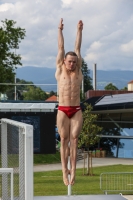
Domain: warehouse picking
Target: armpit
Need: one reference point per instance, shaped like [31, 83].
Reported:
[58, 72]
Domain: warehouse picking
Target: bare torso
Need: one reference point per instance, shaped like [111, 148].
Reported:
[69, 86]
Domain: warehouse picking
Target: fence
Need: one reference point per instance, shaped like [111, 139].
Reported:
[116, 181]
[17, 153]
[6, 183]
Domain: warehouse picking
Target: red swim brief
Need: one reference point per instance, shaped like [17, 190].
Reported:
[69, 110]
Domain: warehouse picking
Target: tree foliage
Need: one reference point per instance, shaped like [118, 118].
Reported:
[52, 93]
[11, 94]
[88, 136]
[109, 143]
[23, 87]
[35, 93]
[19, 89]
[10, 37]
[27, 92]
[110, 86]
[125, 88]
[87, 78]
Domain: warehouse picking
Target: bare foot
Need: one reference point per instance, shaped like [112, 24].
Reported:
[66, 172]
[72, 181]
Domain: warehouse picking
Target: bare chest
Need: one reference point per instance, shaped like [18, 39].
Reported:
[70, 78]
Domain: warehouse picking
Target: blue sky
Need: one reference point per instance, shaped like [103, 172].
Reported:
[107, 34]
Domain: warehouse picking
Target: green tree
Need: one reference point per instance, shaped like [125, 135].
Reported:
[109, 143]
[10, 37]
[52, 93]
[110, 86]
[28, 92]
[11, 94]
[125, 88]
[88, 136]
[35, 93]
[23, 87]
[87, 78]
[20, 89]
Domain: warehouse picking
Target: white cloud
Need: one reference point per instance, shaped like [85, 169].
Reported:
[5, 7]
[128, 47]
[91, 57]
[66, 2]
[107, 33]
[95, 46]
[93, 53]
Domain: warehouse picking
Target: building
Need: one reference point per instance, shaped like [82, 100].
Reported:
[115, 115]
[3, 96]
[130, 86]
[41, 115]
[52, 99]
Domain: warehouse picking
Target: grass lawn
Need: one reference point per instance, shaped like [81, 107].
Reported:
[50, 183]
[46, 158]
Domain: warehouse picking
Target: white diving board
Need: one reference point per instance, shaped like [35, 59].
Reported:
[82, 197]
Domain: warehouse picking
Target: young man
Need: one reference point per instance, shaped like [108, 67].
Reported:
[69, 117]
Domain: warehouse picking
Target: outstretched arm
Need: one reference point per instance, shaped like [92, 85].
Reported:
[78, 42]
[61, 52]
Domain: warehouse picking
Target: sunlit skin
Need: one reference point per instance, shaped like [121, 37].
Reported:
[70, 63]
[69, 78]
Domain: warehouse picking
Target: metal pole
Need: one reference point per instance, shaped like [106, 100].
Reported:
[15, 81]
[69, 176]
[83, 87]
[94, 76]
[15, 87]
[88, 162]
[12, 184]
[28, 131]
[84, 165]
[24, 84]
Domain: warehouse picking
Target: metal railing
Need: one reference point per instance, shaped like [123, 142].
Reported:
[116, 181]
[7, 188]
[17, 153]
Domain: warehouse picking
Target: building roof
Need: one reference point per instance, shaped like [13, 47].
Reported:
[97, 93]
[52, 98]
[114, 102]
[130, 82]
[27, 107]
[115, 99]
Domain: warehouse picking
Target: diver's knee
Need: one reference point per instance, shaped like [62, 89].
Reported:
[64, 140]
[75, 141]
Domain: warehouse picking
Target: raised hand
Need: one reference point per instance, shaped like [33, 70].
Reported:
[80, 25]
[61, 25]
